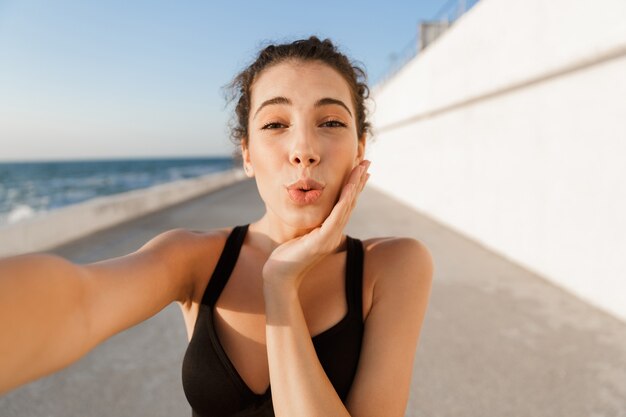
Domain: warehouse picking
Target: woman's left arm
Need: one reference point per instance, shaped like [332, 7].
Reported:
[299, 384]
[300, 387]
[382, 382]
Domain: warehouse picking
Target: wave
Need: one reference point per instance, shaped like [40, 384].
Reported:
[19, 213]
[28, 189]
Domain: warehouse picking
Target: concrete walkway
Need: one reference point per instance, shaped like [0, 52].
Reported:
[497, 340]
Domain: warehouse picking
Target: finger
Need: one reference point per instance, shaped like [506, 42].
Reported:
[365, 164]
[337, 219]
[363, 179]
[363, 183]
[358, 186]
[355, 196]
[357, 173]
[339, 215]
[343, 205]
[354, 177]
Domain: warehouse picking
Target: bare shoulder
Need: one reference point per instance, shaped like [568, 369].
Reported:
[396, 246]
[122, 292]
[178, 241]
[194, 252]
[403, 270]
[397, 258]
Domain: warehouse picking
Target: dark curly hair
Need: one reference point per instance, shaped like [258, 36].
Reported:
[311, 49]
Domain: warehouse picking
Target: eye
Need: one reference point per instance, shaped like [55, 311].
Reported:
[333, 123]
[272, 125]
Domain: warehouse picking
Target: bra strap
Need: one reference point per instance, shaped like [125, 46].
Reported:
[354, 287]
[225, 265]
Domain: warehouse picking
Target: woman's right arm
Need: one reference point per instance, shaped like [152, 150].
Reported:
[52, 312]
[42, 320]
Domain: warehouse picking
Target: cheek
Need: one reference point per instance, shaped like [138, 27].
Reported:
[264, 153]
[267, 175]
[267, 192]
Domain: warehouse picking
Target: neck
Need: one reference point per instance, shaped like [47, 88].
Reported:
[267, 233]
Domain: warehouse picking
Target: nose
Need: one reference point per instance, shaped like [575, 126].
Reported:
[303, 152]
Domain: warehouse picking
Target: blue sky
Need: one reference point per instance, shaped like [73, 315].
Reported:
[102, 79]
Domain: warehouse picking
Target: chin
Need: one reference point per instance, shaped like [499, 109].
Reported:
[305, 219]
[304, 223]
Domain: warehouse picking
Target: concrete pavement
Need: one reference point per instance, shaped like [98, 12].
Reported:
[497, 339]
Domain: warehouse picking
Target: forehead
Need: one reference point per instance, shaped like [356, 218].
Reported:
[299, 81]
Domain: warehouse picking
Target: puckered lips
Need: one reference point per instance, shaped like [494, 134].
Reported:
[305, 191]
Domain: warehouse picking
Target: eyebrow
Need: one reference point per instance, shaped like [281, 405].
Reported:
[319, 103]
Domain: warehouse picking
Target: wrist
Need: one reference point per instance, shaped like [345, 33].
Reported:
[277, 287]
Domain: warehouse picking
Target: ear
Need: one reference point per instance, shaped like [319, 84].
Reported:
[247, 164]
[360, 153]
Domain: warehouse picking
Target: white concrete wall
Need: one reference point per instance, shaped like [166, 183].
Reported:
[511, 129]
[78, 220]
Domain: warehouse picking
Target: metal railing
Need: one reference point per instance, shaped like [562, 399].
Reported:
[427, 32]
[453, 9]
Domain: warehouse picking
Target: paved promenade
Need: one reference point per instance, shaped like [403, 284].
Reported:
[497, 340]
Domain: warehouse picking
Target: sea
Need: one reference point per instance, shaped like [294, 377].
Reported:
[29, 189]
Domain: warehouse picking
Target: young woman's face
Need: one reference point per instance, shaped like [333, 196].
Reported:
[301, 126]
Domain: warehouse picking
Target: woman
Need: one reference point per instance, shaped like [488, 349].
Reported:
[312, 322]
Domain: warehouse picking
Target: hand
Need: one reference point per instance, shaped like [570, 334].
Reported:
[290, 261]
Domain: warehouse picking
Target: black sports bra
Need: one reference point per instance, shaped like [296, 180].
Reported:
[211, 383]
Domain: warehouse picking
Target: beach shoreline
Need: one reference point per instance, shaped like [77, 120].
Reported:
[72, 222]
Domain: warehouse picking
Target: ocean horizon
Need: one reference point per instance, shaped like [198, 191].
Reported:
[32, 188]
